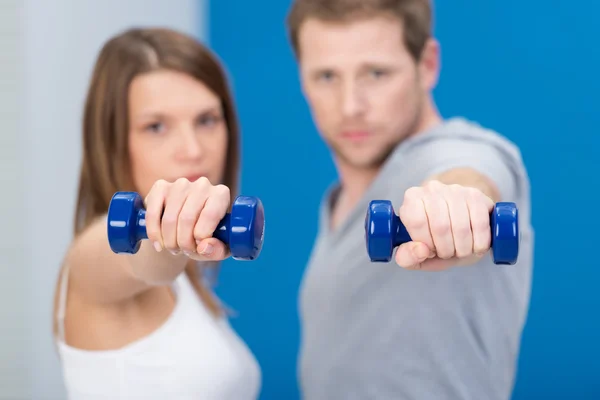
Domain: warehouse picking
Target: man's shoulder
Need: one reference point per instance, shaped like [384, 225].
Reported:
[457, 142]
[457, 138]
[463, 129]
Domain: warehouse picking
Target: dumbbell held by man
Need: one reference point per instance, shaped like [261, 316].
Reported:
[242, 230]
[384, 231]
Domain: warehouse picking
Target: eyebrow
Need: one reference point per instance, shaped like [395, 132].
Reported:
[159, 115]
[385, 64]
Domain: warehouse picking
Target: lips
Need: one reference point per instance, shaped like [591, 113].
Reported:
[191, 177]
[356, 135]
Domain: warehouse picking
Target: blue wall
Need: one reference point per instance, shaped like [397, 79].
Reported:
[524, 68]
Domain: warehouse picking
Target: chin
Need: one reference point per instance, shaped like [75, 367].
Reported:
[365, 158]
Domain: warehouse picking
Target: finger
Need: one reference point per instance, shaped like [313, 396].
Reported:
[479, 214]
[173, 205]
[188, 217]
[414, 218]
[214, 210]
[439, 223]
[412, 254]
[460, 220]
[154, 204]
[211, 249]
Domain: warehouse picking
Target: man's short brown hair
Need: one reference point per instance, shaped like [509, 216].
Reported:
[416, 17]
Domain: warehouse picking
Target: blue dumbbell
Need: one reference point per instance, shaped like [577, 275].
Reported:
[384, 231]
[242, 230]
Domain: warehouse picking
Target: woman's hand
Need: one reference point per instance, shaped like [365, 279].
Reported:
[182, 216]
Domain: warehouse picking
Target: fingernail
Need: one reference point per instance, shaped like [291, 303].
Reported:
[174, 252]
[187, 253]
[157, 246]
[207, 250]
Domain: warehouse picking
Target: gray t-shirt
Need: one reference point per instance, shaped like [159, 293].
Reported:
[377, 331]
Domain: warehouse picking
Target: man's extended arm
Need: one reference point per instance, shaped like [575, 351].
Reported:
[447, 214]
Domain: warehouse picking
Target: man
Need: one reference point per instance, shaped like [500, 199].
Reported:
[379, 331]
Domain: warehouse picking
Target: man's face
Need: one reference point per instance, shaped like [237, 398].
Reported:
[365, 91]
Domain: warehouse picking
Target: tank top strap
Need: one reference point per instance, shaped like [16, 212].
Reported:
[62, 302]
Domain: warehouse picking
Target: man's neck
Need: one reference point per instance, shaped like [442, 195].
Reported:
[354, 183]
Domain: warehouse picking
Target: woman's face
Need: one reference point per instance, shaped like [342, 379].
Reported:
[177, 130]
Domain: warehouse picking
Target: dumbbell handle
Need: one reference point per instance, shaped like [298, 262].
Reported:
[384, 231]
[221, 233]
[242, 229]
[401, 235]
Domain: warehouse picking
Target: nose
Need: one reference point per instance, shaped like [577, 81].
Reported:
[353, 101]
[190, 147]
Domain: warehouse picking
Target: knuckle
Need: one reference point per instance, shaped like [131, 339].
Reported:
[222, 190]
[413, 193]
[412, 220]
[433, 185]
[181, 182]
[169, 220]
[445, 254]
[462, 230]
[481, 249]
[481, 224]
[473, 194]
[463, 252]
[160, 184]
[456, 189]
[185, 243]
[440, 227]
[202, 182]
[187, 219]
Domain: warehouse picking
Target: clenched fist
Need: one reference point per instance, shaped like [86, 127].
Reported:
[448, 224]
[182, 216]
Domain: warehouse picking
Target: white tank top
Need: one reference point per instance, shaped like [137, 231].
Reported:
[191, 356]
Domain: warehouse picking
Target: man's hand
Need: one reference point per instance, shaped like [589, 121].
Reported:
[449, 225]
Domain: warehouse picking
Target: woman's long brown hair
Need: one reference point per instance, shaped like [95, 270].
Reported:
[106, 166]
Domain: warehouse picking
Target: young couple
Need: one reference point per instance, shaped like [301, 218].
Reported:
[440, 322]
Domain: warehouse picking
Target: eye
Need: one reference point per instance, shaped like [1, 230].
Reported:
[208, 120]
[156, 127]
[377, 73]
[325, 76]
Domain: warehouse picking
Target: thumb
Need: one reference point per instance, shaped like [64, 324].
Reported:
[410, 255]
[210, 249]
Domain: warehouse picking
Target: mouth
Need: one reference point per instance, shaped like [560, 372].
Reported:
[193, 178]
[356, 135]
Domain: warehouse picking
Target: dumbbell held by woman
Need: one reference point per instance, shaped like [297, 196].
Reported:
[242, 230]
[384, 231]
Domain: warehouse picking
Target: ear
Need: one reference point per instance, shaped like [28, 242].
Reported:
[429, 65]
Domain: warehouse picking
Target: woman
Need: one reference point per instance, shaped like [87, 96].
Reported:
[159, 120]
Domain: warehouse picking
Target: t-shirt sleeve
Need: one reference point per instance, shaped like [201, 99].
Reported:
[491, 157]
